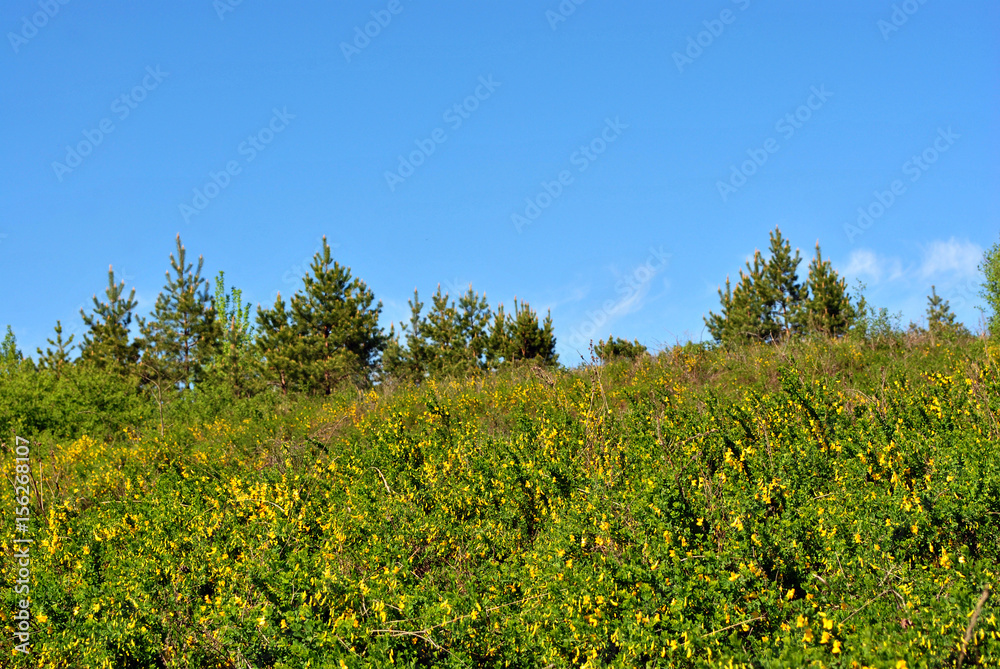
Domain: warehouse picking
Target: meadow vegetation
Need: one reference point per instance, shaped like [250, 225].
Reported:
[823, 502]
[816, 488]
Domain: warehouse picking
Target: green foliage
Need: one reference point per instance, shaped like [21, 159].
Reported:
[838, 510]
[57, 359]
[783, 295]
[451, 340]
[68, 402]
[744, 317]
[106, 344]
[519, 336]
[874, 324]
[10, 354]
[940, 318]
[616, 347]
[276, 342]
[828, 308]
[330, 334]
[235, 364]
[768, 304]
[990, 291]
[181, 336]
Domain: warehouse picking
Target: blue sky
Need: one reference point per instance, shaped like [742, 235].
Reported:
[610, 162]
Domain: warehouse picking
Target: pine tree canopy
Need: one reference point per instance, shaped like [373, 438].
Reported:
[329, 335]
[768, 304]
[828, 307]
[276, 341]
[452, 339]
[10, 354]
[519, 336]
[182, 334]
[940, 317]
[616, 347]
[781, 292]
[106, 343]
[56, 358]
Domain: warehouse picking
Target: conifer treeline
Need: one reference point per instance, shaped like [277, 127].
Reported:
[326, 335]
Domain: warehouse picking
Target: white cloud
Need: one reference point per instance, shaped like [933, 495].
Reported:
[867, 263]
[951, 257]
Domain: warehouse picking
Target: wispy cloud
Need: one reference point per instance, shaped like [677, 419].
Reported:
[960, 258]
[868, 264]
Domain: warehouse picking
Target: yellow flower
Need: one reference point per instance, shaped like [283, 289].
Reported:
[836, 647]
[808, 636]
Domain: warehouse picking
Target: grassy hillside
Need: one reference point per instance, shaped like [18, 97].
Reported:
[828, 504]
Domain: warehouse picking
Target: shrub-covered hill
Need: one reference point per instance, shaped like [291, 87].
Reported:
[818, 504]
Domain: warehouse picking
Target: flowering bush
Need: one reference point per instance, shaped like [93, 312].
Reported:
[663, 512]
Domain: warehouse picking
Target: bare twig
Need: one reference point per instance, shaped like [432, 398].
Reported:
[881, 594]
[387, 488]
[972, 623]
[744, 622]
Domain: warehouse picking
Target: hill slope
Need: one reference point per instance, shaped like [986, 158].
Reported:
[821, 504]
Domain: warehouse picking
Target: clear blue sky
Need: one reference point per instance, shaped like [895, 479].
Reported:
[631, 114]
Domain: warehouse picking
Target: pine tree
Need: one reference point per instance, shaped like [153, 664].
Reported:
[106, 343]
[519, 336]
[450, 340]
[616, 347]
[745, 311]
[182, 335]
[940, 318]
[827, 308]
[717, 323]
[56, 359]
[276, 342]
[330, 334]
[10, 354]
[407, 363]
[474, 315]
[453, 337]
[781, 290]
